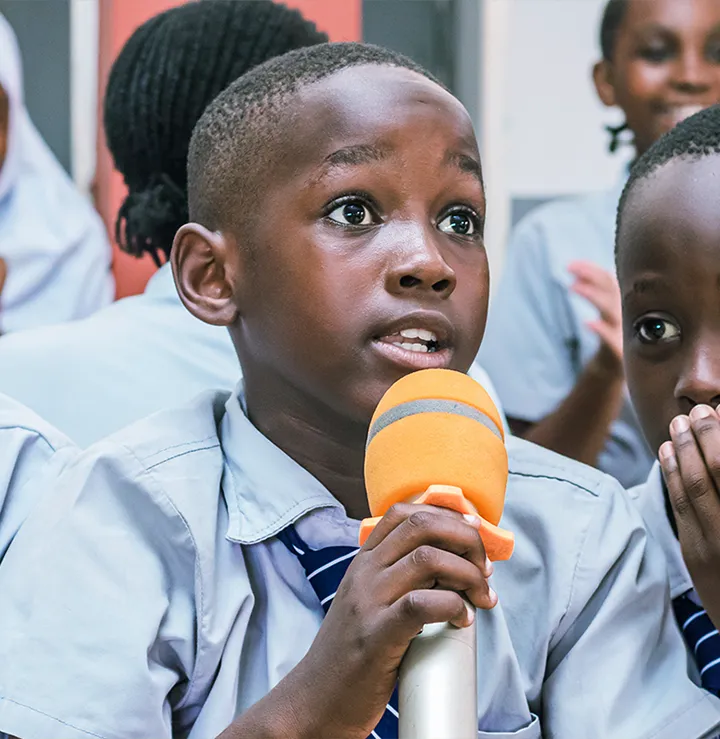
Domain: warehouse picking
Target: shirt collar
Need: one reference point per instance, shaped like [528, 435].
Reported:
[265, 490]
[650, 500]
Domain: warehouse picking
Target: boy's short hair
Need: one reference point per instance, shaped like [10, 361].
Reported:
[694, 138]
[233, 139]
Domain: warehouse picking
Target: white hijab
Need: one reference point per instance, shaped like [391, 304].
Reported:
[51, 239]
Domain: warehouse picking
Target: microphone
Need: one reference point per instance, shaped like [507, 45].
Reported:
[436, 437]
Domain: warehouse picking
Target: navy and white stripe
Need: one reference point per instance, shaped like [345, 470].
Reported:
[325, 568]
[702, 639]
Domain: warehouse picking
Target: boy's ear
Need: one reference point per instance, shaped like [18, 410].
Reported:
[206, 267]
[605, 83]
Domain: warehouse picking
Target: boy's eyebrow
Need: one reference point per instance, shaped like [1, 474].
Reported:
[355, 155]
[466, 163]
[648, 285]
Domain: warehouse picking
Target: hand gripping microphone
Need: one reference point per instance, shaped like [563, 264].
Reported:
[436, 437]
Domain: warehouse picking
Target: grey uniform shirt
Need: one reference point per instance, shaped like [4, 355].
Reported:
[31, 451]
[537, 342]
[149, 597]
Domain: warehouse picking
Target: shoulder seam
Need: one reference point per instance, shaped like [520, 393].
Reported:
[554, 478]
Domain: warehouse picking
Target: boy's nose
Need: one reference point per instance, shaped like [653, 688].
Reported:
[699, 382]
[420, 265]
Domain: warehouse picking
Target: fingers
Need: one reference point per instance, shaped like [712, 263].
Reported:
[603, 292]
[411, 613]
[427, 567]
[397, 515]
[692, 469]
[610, 335]
[436, 527]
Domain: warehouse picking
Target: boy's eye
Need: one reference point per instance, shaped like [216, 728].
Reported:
[352, 213]
[654, 330]
[458, 223]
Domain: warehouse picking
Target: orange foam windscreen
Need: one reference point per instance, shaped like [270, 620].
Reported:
[439, 428]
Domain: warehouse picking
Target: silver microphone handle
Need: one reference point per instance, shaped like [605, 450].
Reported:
[437, 696]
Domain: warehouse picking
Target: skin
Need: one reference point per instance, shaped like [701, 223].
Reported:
[306, 296]
[669, 271]
[665, 66]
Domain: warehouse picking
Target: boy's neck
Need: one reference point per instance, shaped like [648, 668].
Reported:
[330, 448]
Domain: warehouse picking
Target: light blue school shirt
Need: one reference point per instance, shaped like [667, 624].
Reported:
[30, 451]
[537, 342]
[139, 355]
[149, 597]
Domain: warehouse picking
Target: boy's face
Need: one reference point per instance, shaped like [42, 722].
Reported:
[367, 259]
[669, 271]
[666, 65]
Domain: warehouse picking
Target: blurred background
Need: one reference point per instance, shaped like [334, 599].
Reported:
[522, 68]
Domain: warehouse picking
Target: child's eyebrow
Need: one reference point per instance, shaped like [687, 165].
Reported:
[466, 164]
[355, 155]
[648, 285]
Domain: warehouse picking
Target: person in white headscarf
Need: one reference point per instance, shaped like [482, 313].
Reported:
[53, 245]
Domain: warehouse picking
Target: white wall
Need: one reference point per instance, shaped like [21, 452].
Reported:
[556, 143]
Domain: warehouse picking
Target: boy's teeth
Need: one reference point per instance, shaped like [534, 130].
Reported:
[418, 333]
[411, 347]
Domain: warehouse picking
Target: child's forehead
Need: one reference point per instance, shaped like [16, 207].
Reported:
[673, 214]
[378, 104]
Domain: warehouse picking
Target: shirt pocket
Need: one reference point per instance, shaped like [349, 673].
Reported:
[531, 731]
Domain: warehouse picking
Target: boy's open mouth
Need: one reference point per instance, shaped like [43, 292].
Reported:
[416, 342]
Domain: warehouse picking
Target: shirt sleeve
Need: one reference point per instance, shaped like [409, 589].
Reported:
[98, 617]
[617, 667]
[30, 449]
[529, 348]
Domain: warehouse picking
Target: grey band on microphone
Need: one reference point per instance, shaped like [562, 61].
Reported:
[431, 405]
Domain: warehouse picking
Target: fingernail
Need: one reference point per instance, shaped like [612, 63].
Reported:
[680, 425]
[470, 614]
[666, 453]
[489, 569]
[474, 521]
[493, 597]
[700, 411]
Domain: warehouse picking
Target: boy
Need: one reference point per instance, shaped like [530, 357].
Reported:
[669, 270]
[338, 207]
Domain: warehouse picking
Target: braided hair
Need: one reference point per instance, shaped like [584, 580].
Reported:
[612, 19]
[167, 73]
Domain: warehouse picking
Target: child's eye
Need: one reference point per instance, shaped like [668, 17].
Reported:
[460, 223]
[352, 213]
[654, 330]
[655, 54]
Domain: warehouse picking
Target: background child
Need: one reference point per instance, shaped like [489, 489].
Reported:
[554, 341]
[53, 243]
[668, 255]
[167, 588]
[90, 378]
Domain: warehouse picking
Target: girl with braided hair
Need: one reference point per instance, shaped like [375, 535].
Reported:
[146, 352]
[553, 346]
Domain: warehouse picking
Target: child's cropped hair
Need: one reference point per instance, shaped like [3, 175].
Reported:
[233, 140]
[158, 89]
[694, 138]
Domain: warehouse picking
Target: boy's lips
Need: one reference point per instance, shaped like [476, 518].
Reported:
[677, 113]
[420, 340]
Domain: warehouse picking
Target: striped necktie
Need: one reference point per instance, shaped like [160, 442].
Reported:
[702, 640]
[325, 568]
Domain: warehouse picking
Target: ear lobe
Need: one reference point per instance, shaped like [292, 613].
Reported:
[204, 265]
[604, 83]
